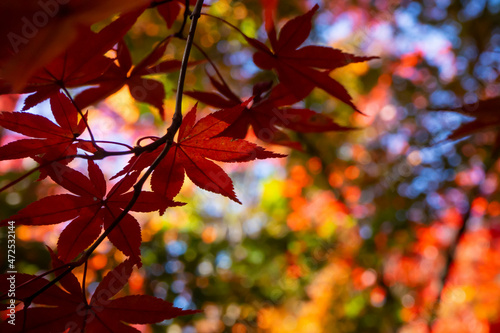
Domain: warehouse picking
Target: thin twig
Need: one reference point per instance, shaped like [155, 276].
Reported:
[80, 112]
[184, 21]
[63, 87]
[94, 157]
[226, 22]
[116, 143]
[213, 66]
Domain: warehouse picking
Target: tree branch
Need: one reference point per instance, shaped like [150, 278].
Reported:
[167, 138]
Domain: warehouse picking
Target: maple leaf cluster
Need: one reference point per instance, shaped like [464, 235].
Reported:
[99, 64]
[50, 141]
[69, 309]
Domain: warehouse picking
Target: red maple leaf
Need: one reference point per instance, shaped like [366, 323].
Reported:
[30, 45]
[266, 115]
[170, 10]
[302, 69]
[192, 155]
[52, 141]
[91, 209]
[81, 63]
[269, 11]
[63, 309]
[143, 90]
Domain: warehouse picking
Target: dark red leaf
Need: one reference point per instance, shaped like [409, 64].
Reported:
[142, 89]
[297, 69]
[169, 181]
[82, 62]
[295, 32]
[126, 236]
[90, 209]
[27, 285]
[67, 21]
[54, 142]
[79, 234]
[196, 144]
[69, 281]
[169, 11]
[207, 175]
[112, 283]
[148, 91]
[102, 314]
[143, 309]
[97, 179]
[50, 319]
[147, 202]
[211, 99]
[266, 116]
[269, 10]
[51, 210]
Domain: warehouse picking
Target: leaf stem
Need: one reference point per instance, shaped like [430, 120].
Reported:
[213, 65]
[94, 157]
[226, 22]
[116, 143]
[94, 143]
[66, 92]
